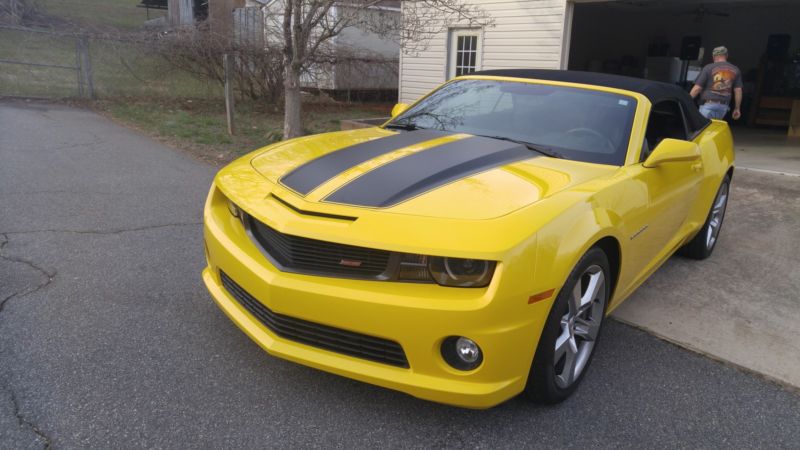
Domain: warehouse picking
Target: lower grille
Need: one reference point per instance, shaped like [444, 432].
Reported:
[317, 335]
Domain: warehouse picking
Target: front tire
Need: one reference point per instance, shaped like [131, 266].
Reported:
[570, 334]
[702, 245]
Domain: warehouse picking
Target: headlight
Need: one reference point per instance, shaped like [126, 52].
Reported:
[455, 272]
[461, 272]
[414, 268]
[234, 210]
[409, 267]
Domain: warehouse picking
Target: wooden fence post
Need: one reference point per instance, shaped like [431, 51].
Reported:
[227, 63]
[79, 72]
[85, 63]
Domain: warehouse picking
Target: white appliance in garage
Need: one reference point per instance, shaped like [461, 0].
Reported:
[663, 68]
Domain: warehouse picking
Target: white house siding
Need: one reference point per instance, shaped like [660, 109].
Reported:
[380, 53]
[526, 34]
[352, 40]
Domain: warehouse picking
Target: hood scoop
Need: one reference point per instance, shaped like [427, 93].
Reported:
[312, 213]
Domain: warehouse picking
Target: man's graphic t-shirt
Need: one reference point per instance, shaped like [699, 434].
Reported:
[718, 80]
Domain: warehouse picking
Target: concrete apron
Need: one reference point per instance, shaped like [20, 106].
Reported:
[742, 305]
[769, 151]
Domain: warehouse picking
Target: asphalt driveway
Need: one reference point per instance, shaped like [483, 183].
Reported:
[108, 338]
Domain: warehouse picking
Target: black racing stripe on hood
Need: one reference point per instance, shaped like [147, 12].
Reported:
[420, 172]
[312, 174]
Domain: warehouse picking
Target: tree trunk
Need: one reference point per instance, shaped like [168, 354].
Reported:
[292, 124]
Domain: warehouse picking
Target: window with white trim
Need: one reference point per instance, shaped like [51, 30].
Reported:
[465, 56]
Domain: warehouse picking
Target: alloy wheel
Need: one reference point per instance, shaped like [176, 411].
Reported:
[580, 326]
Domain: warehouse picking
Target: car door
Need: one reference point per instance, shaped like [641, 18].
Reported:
[670, 190]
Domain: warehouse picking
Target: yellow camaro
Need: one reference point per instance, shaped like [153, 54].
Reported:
[467, 250]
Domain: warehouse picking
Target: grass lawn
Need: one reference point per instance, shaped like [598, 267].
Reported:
[123, 14]
[40, 49]
[199, 125]
[119, 69]
[138, 88]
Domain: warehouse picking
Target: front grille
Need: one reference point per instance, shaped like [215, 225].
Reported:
[304, 255]
[317, 335]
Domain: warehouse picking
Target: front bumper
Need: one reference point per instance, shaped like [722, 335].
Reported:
[417, 316]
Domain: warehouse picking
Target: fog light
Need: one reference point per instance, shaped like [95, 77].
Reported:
[461, 353]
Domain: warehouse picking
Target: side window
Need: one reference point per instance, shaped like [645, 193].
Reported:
[666, 121]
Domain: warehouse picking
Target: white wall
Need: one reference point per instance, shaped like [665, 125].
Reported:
[526, 34]
[362, 42]
[359, 37]
[355, 39]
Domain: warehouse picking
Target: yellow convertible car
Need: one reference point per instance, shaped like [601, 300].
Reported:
[469, 249]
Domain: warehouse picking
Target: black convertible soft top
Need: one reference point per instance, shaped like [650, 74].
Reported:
[655, 91]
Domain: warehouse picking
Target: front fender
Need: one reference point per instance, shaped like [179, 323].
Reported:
[563, 241]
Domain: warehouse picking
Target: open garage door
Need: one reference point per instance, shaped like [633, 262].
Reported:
[671, 40]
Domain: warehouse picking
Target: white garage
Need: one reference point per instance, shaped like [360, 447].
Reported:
[667, 40]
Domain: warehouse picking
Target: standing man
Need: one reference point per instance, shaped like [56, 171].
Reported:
[717, 82]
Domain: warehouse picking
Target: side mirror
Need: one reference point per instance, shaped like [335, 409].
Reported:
[672, 150]
[399, 109]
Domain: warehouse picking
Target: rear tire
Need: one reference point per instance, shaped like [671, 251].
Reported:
[702, 245]
[570, 335]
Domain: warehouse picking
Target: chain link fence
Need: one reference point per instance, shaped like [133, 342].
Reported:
[54, 64]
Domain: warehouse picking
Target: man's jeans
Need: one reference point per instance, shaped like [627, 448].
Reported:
[714, 110]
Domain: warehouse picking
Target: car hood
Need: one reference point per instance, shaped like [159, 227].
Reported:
[423, 172]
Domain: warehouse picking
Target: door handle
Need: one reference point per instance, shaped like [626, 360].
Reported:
[697, 167]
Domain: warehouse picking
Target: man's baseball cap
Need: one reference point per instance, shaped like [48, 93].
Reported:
[721, 50]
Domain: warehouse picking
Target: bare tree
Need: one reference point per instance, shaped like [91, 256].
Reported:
[17, 11]
[199, 52]
[195, 51]
[308, 26]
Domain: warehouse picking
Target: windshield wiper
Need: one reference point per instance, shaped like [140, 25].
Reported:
[535, 147]
[404, 126]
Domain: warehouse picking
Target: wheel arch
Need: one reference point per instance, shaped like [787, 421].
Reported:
[611, 247]
[534, 389]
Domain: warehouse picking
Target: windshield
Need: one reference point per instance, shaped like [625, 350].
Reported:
[573, 123]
